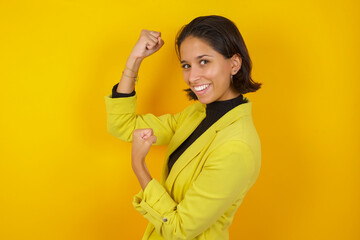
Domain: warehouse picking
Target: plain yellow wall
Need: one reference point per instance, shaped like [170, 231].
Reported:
[62, 176]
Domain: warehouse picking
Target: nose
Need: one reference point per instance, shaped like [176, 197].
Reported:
[194, 74]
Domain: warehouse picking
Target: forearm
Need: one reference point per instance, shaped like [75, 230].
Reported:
[142, 173]
[127, 83]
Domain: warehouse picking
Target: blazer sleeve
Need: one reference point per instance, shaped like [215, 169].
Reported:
[226, 177]
[122, 120]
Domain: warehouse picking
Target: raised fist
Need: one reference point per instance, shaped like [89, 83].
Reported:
[148, 43]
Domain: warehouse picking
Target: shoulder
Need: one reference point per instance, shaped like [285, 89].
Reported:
[239, 132]
[193, 110]
[238, 124]
[195, 107]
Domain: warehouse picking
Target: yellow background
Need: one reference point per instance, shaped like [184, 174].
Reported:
[62, 176]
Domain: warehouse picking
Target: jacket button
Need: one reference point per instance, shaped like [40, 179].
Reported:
[165, 219]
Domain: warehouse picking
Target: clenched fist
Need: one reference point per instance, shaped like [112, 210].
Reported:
[148, 43]
[142, 141]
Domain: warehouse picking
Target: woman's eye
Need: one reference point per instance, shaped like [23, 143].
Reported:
[185, 66]
[203, 61]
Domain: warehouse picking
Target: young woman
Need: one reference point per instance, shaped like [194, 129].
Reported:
[213, 155]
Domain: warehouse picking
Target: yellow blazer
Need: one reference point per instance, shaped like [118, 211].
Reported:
[208, 182]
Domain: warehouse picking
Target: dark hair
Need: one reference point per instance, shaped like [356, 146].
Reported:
[224, 37]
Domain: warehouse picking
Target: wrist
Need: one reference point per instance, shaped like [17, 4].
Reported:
[134, 62]
[142, 174]
[138, 164]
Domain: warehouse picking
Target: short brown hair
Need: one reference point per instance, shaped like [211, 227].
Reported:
[224, 37]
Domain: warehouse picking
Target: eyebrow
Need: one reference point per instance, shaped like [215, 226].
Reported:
[198, 57]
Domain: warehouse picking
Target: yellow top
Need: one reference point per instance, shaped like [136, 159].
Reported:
[208, 182]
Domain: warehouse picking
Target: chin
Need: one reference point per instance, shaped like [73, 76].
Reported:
[204, 100]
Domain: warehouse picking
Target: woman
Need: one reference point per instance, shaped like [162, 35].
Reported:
[213, 157]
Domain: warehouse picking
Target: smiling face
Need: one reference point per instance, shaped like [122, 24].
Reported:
[207, 72]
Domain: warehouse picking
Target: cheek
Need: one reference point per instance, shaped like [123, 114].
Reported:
[222, 74]
[213, 74]
[186, 77]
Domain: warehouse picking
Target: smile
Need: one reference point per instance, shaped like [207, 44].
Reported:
[201, 87]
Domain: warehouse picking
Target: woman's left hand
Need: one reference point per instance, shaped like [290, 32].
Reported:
[142, 141]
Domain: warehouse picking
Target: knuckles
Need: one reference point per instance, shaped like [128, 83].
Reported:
[147, 131]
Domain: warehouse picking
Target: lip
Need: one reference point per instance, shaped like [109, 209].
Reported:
[201, 92]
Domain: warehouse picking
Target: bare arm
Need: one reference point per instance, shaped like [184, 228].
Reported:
[142, 141]
[148, 43]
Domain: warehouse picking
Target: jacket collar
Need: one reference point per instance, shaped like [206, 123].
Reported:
[204, 140]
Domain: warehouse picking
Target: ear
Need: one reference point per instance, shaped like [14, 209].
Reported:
[236, 61]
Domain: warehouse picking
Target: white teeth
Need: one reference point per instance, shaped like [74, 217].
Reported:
[202, 87]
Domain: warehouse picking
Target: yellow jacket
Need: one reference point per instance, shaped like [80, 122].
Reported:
[209, 180]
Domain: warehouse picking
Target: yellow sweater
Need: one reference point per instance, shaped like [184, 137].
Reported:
[199, 197]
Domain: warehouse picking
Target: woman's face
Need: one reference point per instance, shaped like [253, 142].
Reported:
[207, 72]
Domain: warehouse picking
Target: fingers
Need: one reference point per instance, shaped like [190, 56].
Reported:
[148, 43]
[151, 44]
[141, 143]
[152, 139]
[146, 134]
[157, 46]
[161, 42]
[155, 34]
[153, 39]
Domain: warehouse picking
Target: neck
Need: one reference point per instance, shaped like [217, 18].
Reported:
[221, 107]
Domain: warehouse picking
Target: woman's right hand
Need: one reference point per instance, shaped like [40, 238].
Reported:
[148, 43]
